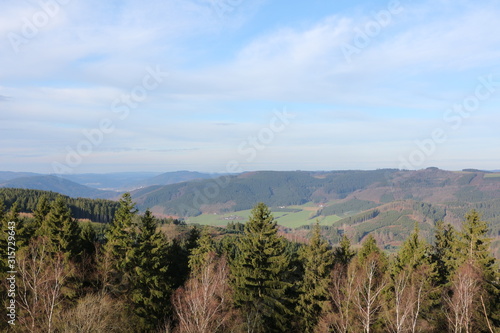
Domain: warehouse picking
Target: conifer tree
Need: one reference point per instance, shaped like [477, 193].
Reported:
[151, 288]
[474, 245]
[119, 247]
[317, 259]
[61, 229]
[41, 211]
[415, 252]
[444, 252]
[343, 253]
[260, 274]
[201, 253]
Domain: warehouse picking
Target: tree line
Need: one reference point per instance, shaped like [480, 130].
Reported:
[96, 210]
[135, 278]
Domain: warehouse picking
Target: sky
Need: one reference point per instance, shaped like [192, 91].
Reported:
[237, 85]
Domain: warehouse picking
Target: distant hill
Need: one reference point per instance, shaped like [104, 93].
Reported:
[116, 181]
[9, 175]
[239, 192]
[96, 210]
[174, 177]
[59, 185]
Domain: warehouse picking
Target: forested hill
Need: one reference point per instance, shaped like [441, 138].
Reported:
[59, 185]
[276, 189]
[96, 210]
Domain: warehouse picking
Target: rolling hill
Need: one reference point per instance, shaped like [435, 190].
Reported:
[385, 202]
[59, 185]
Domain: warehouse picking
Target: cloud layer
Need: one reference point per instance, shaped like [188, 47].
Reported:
[366, 85]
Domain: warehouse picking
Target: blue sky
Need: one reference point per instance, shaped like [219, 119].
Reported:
[225, 85]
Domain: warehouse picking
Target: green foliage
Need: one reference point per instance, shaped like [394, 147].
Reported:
[343, 253]
[120, 239]
[317, 259]
[473, 243]
[97, 210]
[414, 253]
[444, 251]
[150, 290]
[350, 206]
[61, 229]
[260, 273]
[200, 254]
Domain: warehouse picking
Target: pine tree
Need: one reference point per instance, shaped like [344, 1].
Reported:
[343, 253]
[414, 253]
[119, 247]
[61, 229]
[205, 247]
[41, 211]
[444, 252]
[369, 247]
[259, 273]
[317, 259]
[474, 245]
[151, 288]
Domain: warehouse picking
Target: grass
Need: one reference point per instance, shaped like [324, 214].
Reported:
[492, 175]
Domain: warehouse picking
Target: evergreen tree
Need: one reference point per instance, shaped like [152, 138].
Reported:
[151, 287]
[343, 253]
[201, 253]
[474, 245]
[414, 253]
[41, 211]
[61, 229]
[88, 239]
[260, 273]
[444, 252]
[369, 247]
[317, 259]
[120, 245]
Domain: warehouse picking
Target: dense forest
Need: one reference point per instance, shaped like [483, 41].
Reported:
[137, 275]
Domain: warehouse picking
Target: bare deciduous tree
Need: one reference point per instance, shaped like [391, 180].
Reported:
[42, 276]
[96, 313]
[369, 281]
[410, 290]
[340, 318]
[203, 305]
[463, 300]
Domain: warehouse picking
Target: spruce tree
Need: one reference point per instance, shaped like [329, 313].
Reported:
[259, 273]
[119, 247]
[343, 253]
[444, 252]
[151, 288]
[61, 229]
[41, 211]
[317, 259]
[414, 253]
[474, 245]
[201, 253]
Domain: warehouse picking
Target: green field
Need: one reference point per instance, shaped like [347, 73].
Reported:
[492, 175]
[304, 216]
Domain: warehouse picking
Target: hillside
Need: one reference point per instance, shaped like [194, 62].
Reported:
[386, 203]
[59, 185]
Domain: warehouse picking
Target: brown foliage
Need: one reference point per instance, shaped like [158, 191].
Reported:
[204, 304]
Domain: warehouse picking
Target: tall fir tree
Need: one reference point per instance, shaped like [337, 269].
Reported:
[61, 229]
[474, 244]
[444, 252]
[414, 253]
[41, 211]
[317, 258]
[259, 274]
[205, 247]
[151, 287]
[343, 253]
[118, 249]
